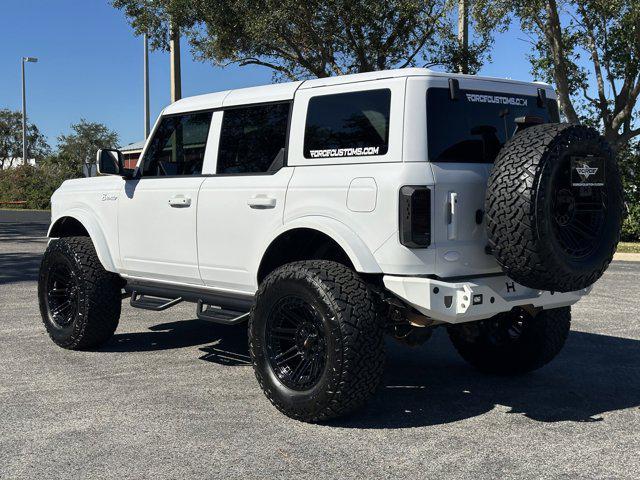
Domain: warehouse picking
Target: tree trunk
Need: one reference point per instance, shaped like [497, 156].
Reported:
[553, 34]
[463, 35]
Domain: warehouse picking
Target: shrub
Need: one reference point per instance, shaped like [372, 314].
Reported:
[35, 185]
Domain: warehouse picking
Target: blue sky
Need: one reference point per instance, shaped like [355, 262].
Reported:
[90, 66]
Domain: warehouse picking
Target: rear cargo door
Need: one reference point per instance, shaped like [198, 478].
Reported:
[465, 131]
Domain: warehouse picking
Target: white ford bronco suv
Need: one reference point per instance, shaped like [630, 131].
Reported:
[329, 212]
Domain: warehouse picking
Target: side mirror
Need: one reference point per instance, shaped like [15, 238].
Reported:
[109, 161]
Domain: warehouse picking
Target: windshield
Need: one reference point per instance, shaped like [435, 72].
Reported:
[474, 127]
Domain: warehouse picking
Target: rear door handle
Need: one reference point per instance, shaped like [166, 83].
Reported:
[261, 202]
[180, 201]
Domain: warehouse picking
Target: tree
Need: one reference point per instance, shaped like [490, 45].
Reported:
[629, 162]
[316, 38]
[80, 146]
[11, 139]
[607, 33]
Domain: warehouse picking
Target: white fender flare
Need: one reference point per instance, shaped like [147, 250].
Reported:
[92, 226]
[360, 255]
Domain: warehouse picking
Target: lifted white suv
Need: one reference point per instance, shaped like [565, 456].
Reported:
[331, 211]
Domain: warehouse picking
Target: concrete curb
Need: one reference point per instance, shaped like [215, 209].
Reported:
[627, 257]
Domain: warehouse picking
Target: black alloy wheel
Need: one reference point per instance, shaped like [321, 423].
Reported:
[578, 214]
[296, 343]
[61, 295]
[504, 329]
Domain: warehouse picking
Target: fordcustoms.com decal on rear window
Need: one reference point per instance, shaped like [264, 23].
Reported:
[344, 152]
[479, 98]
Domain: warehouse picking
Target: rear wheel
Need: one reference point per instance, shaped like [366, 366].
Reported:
[513, 342]
[79, 300]
[316, 340]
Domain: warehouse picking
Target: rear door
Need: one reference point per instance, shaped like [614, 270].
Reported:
[157, 213]
[242, 204]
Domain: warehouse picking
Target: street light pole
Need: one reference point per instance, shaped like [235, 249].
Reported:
[146, 87]
[24, 109]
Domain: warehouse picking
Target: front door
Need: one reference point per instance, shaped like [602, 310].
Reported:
[157, 212]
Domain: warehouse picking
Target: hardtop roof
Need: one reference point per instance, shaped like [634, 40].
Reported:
[285, 91]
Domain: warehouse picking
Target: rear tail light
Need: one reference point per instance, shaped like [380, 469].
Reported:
[415, 216]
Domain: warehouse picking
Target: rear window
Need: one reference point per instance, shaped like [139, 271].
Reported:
[474, 127]
[348, 124]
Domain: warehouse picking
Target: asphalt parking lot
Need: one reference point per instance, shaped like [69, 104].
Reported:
[173, 397]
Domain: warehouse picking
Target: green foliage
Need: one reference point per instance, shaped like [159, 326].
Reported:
[11, 139]
[80, 146]
[317, 38]
[629, 161]
[605, 36]
[35, 185]
[631, 225]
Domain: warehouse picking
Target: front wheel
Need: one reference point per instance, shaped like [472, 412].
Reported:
[79, 300]
[513, 342]
[316, 340]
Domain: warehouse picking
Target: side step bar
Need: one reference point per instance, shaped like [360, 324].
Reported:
[157, 304]
[217, 314]
[214, 306]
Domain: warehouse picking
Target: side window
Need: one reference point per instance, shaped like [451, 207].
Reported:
[178, 145]
[253, 139]
[348, 124]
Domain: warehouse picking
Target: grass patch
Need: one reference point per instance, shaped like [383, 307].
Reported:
[629, 247]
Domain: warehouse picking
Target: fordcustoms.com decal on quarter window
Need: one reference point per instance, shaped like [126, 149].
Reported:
[344, 152]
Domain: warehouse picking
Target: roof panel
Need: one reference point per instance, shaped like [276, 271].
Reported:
[265, 93]
[199, 102]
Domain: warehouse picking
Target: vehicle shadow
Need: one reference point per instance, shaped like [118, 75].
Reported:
[431, 385]
[227, 345]
[594, 374]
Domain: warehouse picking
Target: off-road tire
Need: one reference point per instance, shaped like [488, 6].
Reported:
[98, 295]
[354, 339]
[519, 203]
[541, 339]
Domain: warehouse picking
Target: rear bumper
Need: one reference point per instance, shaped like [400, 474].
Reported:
[473, 299]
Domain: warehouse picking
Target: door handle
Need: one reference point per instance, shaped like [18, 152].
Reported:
[261, 202]
[180, 201]
[452, 217]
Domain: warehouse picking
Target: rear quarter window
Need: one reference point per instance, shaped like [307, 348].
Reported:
[348, 124]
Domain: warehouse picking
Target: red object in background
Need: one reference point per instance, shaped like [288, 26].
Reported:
[131, 159]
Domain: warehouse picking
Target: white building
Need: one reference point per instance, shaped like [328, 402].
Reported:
[16, 162]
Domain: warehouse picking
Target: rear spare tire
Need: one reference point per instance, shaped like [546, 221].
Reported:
[554, 207]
